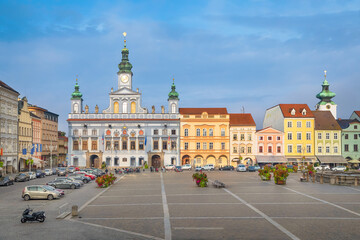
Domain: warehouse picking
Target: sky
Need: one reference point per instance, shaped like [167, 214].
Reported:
[242, 55]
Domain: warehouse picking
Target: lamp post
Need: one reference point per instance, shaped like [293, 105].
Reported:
[51, 148]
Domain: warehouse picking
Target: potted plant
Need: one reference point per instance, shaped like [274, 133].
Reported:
[265, 173]
[295, 168]
[280, 174]
[311, 170]
[200, 178]
[105, 180]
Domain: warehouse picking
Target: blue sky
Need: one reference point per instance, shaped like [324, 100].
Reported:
[234, 54]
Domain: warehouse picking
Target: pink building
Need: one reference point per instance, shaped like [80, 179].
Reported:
[269, 146]
[36, 127]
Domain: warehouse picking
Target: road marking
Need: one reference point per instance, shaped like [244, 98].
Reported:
[319, 218]
[136, 189]
[277, 225]
[132, 196]
[318, 199]
[123, 204]
[353, 189]
[286, 203]
[205, 218]
[167, 226]
[197, 194]
[123, 218]
[205, 203]
[198, 228]
[117, 229]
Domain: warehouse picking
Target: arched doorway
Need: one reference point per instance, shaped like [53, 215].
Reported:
[223, 160]
[94, 161]
[186, 159]
[156, 161]
[249, 162]
[211, 160]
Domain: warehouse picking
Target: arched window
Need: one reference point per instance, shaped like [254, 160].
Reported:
[116, 107]
[76, 108]
[173, 108]
[133, 107]
[124, 107]
[204, 132]
[198, 132]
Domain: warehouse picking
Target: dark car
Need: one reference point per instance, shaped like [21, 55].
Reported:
[22, 177]
[227, 168]
[62, 183]
[80, 178]
[251, 169]
[6, 181]
[40, 173]
[61, 171]
[178, 169]
[54, 171]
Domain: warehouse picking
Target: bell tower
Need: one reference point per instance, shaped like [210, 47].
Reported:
[173, 99]
[125, 74]
[76, 99]
[325, 96]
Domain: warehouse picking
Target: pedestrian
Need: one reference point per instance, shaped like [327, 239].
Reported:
[106, 171]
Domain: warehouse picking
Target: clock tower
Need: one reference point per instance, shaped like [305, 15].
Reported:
[125, 74]
[325, 96]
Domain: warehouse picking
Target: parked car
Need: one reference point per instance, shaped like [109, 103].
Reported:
[91, 176]
[241, 168]
[61, 171]
[251, 168]
[22, 177]
[186, 167]
[62, 192]
[71, 169]
[209, 167]
[339, 168]
[54, 171]
[80, 177]
[170, 167]
[6, 181]
[32, 175]
[93, 172]
[257, 167]
[226, 168]
[40, 174]
[322, 167]
[71, 180]
[39, 192]
[198, 168]
[48, 172]
[178, 169]
[62, 183]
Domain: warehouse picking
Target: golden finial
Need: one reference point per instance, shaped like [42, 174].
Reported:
[77, 78]
[325, 74]
[173, 80]
[124, 33]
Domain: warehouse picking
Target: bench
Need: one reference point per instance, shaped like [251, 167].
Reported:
[218, 184]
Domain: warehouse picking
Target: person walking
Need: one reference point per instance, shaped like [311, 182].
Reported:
[106, 171]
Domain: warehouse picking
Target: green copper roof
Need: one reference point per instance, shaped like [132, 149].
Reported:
[76, 94]
[325, 95]
[125, 66]
[173, 95]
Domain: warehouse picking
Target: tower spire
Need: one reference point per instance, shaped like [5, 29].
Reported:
[173, 94]
[76, 94]
[125, 66]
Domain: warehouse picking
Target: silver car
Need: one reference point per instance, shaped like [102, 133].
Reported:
[39, 192]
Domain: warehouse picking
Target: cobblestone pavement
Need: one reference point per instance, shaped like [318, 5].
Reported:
[170, 206]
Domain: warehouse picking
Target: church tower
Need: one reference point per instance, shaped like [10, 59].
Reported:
[76, 99]
[125, 74]
[173, 100]
[325, 96]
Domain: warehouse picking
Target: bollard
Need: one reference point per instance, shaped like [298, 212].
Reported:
[74, 210]
[307, 177]
[321, 179]
[356, 181]
[332, 180]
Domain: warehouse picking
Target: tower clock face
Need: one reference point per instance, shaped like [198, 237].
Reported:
[124, 78]
[328, 106]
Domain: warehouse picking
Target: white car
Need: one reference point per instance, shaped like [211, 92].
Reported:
[241, 168]
[170, 167]
[321, 167]
[48, 172]
[209, 167]
[32, 175]
[198, 168]
[186, 167]
[339, 168]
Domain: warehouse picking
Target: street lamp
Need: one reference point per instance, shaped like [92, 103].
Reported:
[51, 148]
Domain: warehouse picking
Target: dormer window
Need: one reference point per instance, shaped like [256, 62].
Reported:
[293, 111]
[303, 112]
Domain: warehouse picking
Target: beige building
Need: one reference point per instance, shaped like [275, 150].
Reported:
[62, 148]
[25, 133]
[8, 129]
[49, 134]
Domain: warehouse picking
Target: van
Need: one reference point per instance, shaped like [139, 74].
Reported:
[39, 192]
[209, 167]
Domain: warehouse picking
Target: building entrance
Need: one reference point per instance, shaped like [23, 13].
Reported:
[156, 161]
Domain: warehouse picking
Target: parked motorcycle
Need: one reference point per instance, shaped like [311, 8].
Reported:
[28, 216]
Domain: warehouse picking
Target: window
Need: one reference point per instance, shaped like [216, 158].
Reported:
[278, 138]
[186, 132]
[346, 146]
[308, 148]
[173, 144]
[319, 136]
[124, 159]
[260, 149]
[211, 132]
[298, 148]
[346, 136]
[204, 132]
[289, 124]
[173, 131]
[133, 107]
[234, 149]
[107, 145]
[223, 132]
[84, 145]
[249, 150]
[261, 138]
[355, 136]
[298, 124]
[308, 124]
[335, 149]
[327, 136]
[132, 145]
[327, 149]
[242, 150]
[76, 145]
[356, 148]
[164, 132]
[156, 145]
[198, 132]
[289, 136]
[269, 138]
[308, 136]
[116, 161]
[186, 146]
[116, 145]
[198, 146]
[290, 148]
[156, 132]
[235, 137]
[94, 132]
[211, 145]
[298, 136]
[93, 145]
[278, 149]
[269, 149]
[249, 137]
[355, 126]
[242, 137]
[164, 144]
[222, 146]
[173, 108]
[124, 107]
[319, 149]
[141, 145]
[124, 144]
[75, 132]
[335, 136]
[204, 145]
[85, 132]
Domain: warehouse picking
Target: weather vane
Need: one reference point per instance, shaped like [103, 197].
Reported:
[325, 73]
[124, 33]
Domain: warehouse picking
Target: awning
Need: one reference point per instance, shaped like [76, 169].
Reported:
[354, 161]
[331, 159]
[270, 159]
[300, 159]
[37, 161]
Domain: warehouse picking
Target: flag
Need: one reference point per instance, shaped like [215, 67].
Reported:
[24, 151]
[1, 152]
[33, 149]
[40, 147]
[37, 147]
[145, 140]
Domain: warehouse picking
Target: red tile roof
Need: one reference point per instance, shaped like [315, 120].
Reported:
[241, 119]
[324, 120]
[357, 113]
[201, 110]
[287, 108]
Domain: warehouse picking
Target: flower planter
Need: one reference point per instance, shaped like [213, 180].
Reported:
[265, 178]
[280, 182]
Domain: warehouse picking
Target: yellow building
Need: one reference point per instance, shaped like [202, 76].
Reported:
[204, 136]
[297, 123]
[25, 133]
